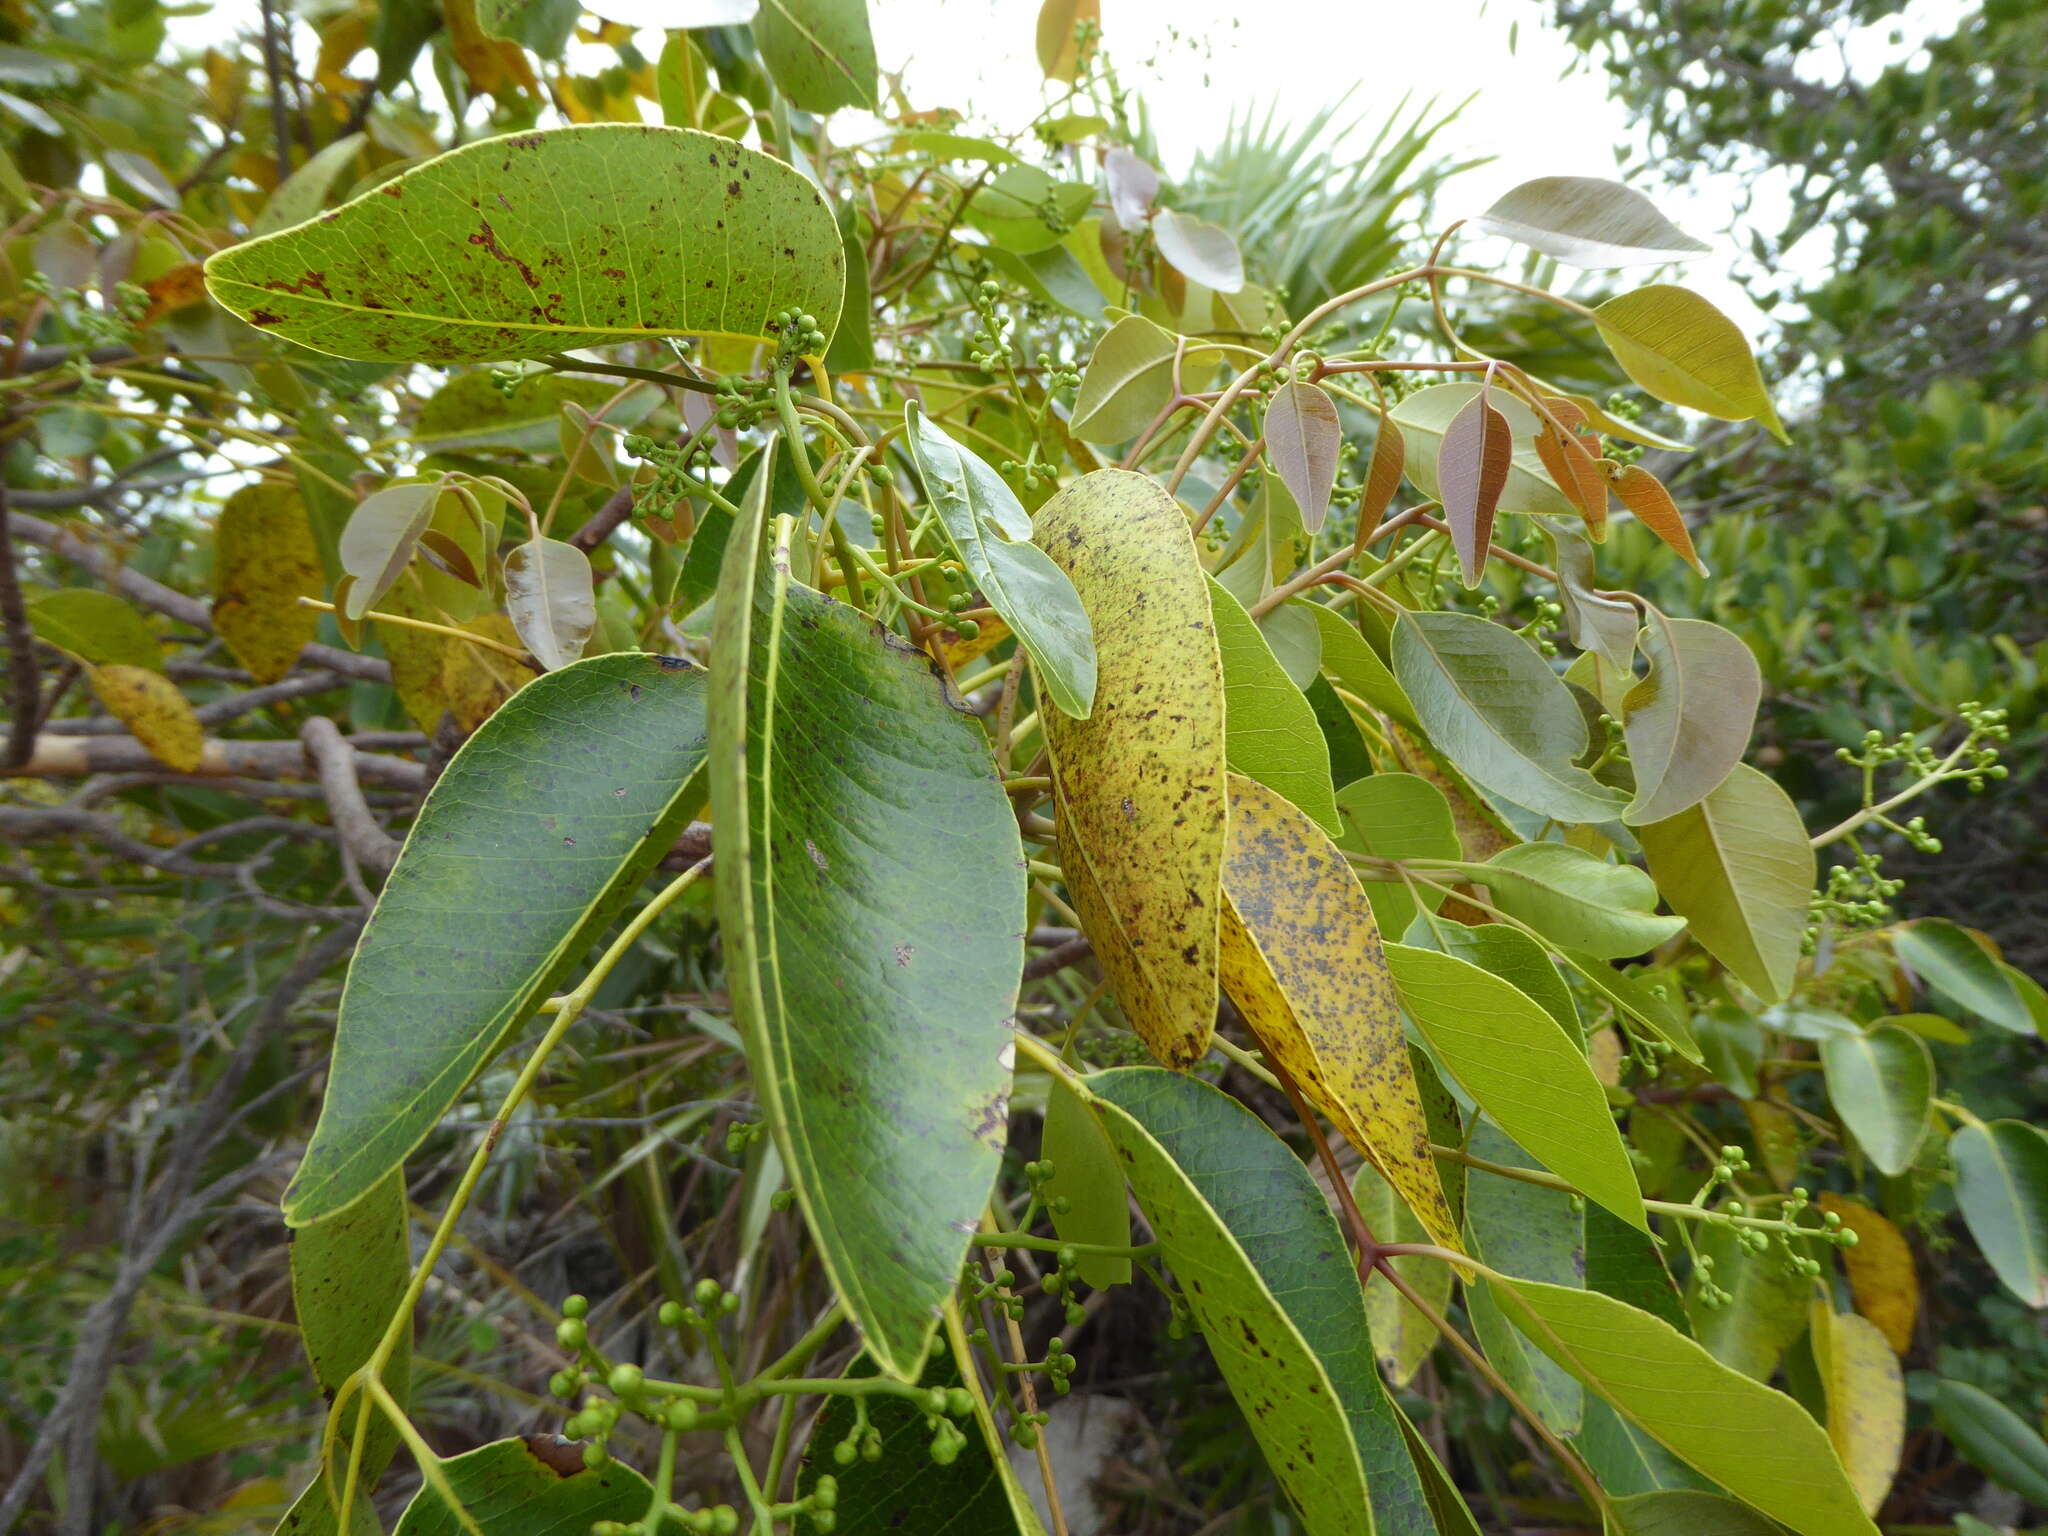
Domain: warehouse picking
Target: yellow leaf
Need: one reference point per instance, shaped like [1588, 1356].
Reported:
[264, 561]
[476, 679]
[1604, 1049]
[1866, 1395]
[1139, 784]
[1060, 51]
[959, 652]
[1681, 349]
[1880, 1269]
[417, 657]
[149, 704]
[1302, 960]
[1775, 1130]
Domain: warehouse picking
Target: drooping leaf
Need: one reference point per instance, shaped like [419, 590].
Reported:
[544, 242]
[349, 1275]
[1571, 457]
[1060, 54]
[1397, 816]
[1651, 505]
[1866, 1400]
[1880, 1269]
[1139, 783]
[1126, 384]
[853, 341]
[96, 627]
[155, 712]
[382, 534]
[1424, 419]
[1259, 1257]
[1383, 474]
[820, 52]
[1993, 1437]
[524, 1486]
[1738, 868]
[1200, 251]
[264, 561]
[872, 987]
[1521, 1067]
[1472, 464]
[2002, 1187]
[1270, 730]
[1688, 722]
[1758, 1444]
[533, 837]
[1303, 436]
[1529, 1233]
[1493, 706]
[1585, 221]
[304, 192]
[1880, 1082]
[1683, 350]
[1958, 967]
[1577, 900]
[550, 596]
[991, 531]
[1291, 905]
[1086, 1172]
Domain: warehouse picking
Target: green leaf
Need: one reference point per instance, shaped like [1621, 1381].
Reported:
[1025, 211]
[1270, 730]
[471, 411]
[1681, 349]
[382, 534]
[519, 1487]
[1688, 722]
[1758, 1444]
[1303, 437]
[1687, 1512]
[96, 627]
[1523, 1069]
[1426, 416]
[533, 837]
[545, 26]
[991, 532]
[820, 52]
[1530, 1233]
[1352, 664]
[2002, 1187]
[872, 985]
[1766, 1310]
[1518, 960]
[1086, 1172]
[1649, 1002]
[305, 190]
[1991, 1436]
[903, 1492]
[538, 243]
[1258, 1254]
[1949, 960]
[1577, 900]
[1880, 1083]
[1127, 382]
[1139, 784]
[1737, 867]
[349, 1277]
[1586, 222]
[1397, 816]
[1491, 704]
[1350, 760]
[551, 598]
[853, 341]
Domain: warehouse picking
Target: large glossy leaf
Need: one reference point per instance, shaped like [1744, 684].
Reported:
[349, 1275]
[1426, 416]
[1472, 463]
[1493, 706]
[1270, 730]
[991, 531]
[1302, 960]
[1126, 384]
[820, 52]
[1577, 900]
[1518, 960]
[1303, 437]
[1585, 221]
[1880, 1269]
[544, 242]
[1758, 1444]
[1948, 959]
[1880, 1082]
[2002, 1187]
[1738, 868]
[1520, 1066]
[1994, 1438]
[1684, 351]
[872, 985]
[1689, 720]
[1530, 1233]
[550, 597]
[1866, 1400]
[526, 1486]
[1139, 784]
[535, 834]
[1258, 1255]
[264, 561]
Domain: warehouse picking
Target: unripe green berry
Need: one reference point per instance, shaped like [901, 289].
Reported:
[706, 1294]
[826, 1494]
[671, 1314]
[824, 1519]
[682, 1415]
[625, 1379]
[575, 1306]
[959, 1402]
[570, 1333]
[724, 1520]
[967, 629]
[562, 1384]
[845, 1453]
[595, 1455]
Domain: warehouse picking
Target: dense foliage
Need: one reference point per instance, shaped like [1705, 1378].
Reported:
[967, 794]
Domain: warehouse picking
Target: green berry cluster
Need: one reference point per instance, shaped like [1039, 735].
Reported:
[993, 330]
[799, 335]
